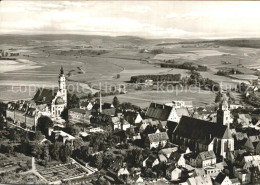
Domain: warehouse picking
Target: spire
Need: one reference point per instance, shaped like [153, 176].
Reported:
[61, 70]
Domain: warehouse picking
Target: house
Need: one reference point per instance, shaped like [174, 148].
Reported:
[212, 171]
[168, 151]
[125, 125]
[138, 179]
[244, 119]
[198, 180]
[121, 173]
[173, 173]
[109, 112]
[222, 179]
[178, 159]
[235, 181]
[180, 104]
[86, 105]
[194, 132]
[241, 136]
[120, 123]
[235, 106]
[157, 139]
[158, 112]
[243, 175]
[77, 115]
[255, 171]
[205, 159]
[23, 113]
[152, 160]
[60, 136]
[133, 117]
[116, 124]
[251, 158]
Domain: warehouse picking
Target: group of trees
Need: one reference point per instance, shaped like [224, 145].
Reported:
[229, 94]
[204, 83]
[155, 78]
[185, 65]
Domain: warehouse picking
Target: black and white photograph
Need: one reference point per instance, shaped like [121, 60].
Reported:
[129, 92]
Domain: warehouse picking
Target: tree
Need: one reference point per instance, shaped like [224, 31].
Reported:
[66, 151]
[72, 129]
[65, 114]
[56, 150]
[97, 161]
[218, 97]
[46, 156]
[116, 102]
[38, 136]
[2, 122]
[73, 101]
[37, 150]
[44, 123]
[14, 135]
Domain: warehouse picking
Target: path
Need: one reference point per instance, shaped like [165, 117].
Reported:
[34, 171]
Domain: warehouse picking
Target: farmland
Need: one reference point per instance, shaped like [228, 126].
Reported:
[113, 60]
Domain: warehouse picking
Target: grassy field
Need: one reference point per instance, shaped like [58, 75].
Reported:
[144, 98]
[94, 59]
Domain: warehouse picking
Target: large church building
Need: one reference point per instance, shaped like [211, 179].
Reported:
[55, 99]
[200, 135]
[47, 102]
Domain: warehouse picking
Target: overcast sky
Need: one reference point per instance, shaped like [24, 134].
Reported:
[161, 19]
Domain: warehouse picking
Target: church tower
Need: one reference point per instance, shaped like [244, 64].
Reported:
[62, 85]
[223, 113]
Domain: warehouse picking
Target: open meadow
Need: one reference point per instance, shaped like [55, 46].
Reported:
[91, 60]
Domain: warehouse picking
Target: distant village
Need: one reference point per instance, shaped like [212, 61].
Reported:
[68, 140]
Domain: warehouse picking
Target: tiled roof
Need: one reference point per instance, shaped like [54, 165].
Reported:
[207, 155]
[109, 112]
[220, 178]
[31, 112]
[157, 137]
[158, 111]
[199, 129]
[84, 103]
[45, 95]
[182, 112]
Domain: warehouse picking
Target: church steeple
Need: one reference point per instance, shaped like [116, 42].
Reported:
[62, 84]
[223, 113]
[61, 71]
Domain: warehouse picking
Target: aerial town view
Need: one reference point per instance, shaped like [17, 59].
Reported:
[143, 92]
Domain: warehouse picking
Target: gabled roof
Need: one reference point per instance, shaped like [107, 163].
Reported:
[45, 95]
[182, 112]
[31, 112]
[207, 155]
[220, 178]
[158, 111]
[85, 103]
[130, 116]
[199, 129]
[158, 137]
[109, 112]
[227, 134]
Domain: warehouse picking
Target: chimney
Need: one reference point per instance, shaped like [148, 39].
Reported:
[100, 102]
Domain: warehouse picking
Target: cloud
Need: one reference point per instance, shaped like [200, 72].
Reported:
[137, 9]
[149, 19]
